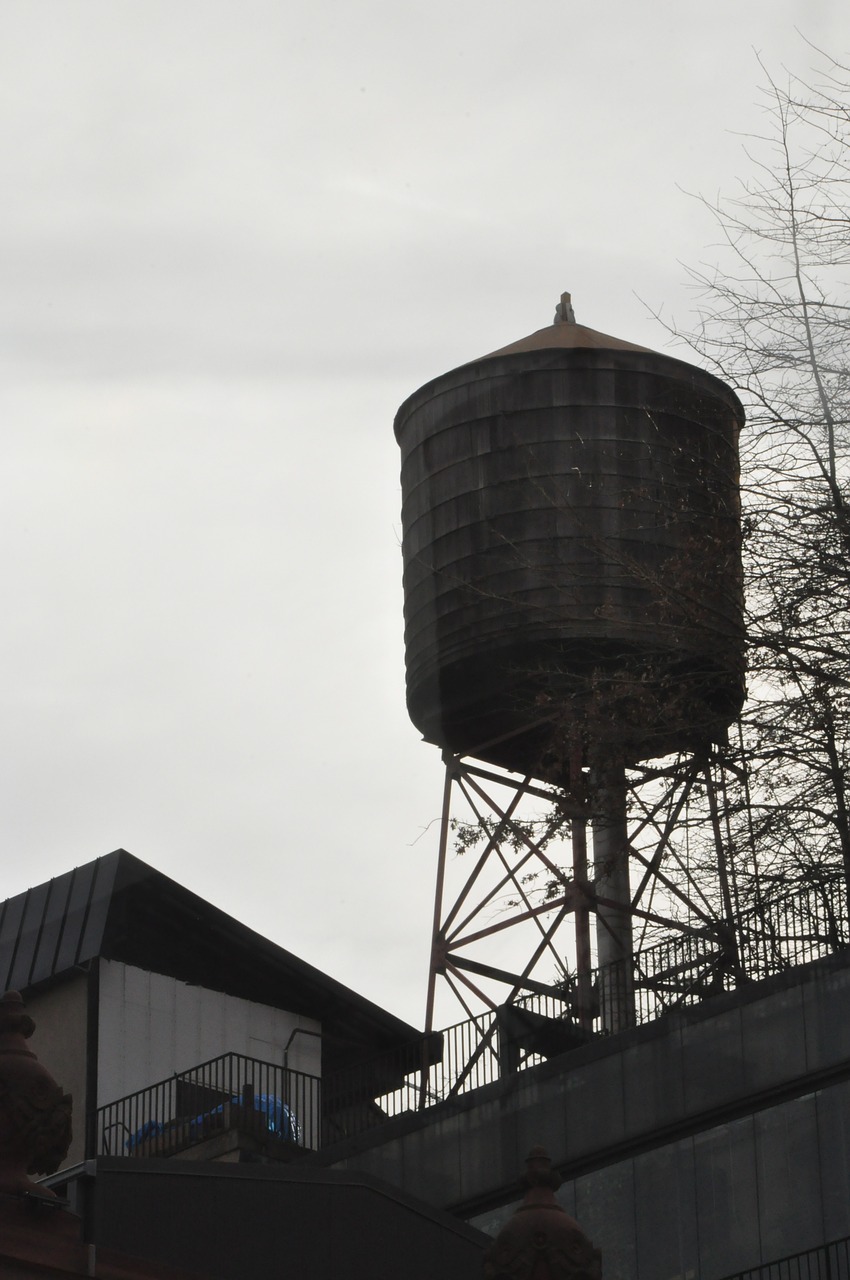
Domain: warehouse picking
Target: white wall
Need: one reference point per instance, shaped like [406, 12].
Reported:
[60, 1017]
[151, 1026]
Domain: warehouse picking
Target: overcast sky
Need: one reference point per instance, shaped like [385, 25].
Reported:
[233, 238]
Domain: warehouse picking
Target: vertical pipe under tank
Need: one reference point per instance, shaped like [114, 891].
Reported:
[614, 942]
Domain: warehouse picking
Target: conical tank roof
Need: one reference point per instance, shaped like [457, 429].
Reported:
[564, 333]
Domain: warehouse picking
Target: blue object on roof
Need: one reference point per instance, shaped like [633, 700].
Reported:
[281, 1121]
[150, 1129]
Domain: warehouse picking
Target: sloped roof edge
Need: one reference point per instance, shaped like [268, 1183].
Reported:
[120, 908]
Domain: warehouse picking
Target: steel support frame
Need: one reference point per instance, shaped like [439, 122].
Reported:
[641, 848]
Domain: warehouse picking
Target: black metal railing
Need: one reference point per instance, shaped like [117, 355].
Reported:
[827, 1262]
[461, 1058]
[473, 1053]
[278, 1107]
[794, 929]
[790, 930]
[677, 972]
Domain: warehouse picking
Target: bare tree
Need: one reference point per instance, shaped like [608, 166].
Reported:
[773, 320]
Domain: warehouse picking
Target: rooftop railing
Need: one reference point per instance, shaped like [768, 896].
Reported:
[288, 1110]
[827, 1262]
[679, 972]
[277, 1108]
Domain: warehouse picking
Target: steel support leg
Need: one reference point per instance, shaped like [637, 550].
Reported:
[614, 942]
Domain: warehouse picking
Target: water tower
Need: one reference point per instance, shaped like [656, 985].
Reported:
[573, 613]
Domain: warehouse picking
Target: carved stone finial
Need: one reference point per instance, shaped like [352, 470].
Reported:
[539, 1171]
[541, 1240]
[35, 1114]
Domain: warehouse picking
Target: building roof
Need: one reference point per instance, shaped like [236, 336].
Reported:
[119, 908]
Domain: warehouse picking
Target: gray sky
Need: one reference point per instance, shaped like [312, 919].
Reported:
[233, 238]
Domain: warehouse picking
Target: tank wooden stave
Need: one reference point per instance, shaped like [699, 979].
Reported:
[571, 539]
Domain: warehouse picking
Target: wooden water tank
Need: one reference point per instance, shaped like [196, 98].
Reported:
[571, 542]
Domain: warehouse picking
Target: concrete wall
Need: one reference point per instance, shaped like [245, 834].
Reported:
[59, 1041]
[150, 1026]
[707, 1142]
[729, 1197]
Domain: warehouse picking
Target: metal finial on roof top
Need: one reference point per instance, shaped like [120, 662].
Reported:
[564, 313]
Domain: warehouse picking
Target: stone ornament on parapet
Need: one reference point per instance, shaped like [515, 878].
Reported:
[35, 1112]
[541, 1241]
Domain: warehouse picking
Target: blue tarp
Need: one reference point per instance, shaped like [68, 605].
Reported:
[281, 1121]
